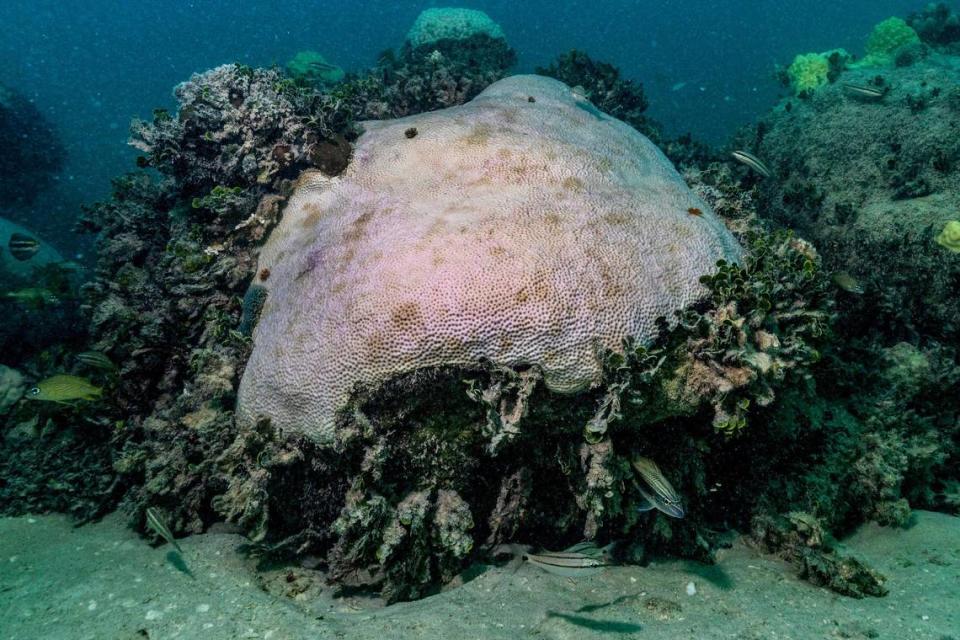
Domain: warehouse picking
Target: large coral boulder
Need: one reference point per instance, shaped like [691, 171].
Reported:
[525, 228]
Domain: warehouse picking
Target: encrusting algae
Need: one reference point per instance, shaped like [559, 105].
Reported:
[949, 238]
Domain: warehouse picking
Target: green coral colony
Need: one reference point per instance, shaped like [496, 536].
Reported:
[798, 390]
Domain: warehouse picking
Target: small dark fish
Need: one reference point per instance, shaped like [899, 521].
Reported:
[160, 528]
[97, 360]
[863, 92]
[659, 494]
[753, 162]
[580, 560]
[322, 66]
[23, 247]
[847, 282]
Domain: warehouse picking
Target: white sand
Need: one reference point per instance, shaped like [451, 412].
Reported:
[103, 582]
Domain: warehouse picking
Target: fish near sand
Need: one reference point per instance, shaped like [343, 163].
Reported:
[752, 161]
[64, 389]
[658, 494]
[23, 247]
[864, 92]
[159, 526]
[581, 560]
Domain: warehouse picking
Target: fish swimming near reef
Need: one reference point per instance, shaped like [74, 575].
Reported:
[322, 66]
[96, 360]
[159, 526]
[64, 389]
[864, 92]
[657, 493]
[33, 297]
[752, 161]
[581, 560]
[847, 282]
[23, 247]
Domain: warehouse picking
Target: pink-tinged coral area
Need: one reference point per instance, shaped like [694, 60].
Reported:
[521, 232]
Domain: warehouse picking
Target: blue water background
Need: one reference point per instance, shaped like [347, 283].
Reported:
[92, 65]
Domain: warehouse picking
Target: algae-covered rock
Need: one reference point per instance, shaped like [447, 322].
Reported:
[811, 70]
[872, 182]
[886, 39]
[521, 232]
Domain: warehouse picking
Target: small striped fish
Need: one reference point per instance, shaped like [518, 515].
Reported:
[64, 389]
[23, 247]
[581, 560]
[659, 494]
[96, 359]
[156, 523]
[753, 162]
[864, 92]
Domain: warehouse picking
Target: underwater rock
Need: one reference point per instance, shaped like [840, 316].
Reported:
[12, 387]
[32, 151]
[456, 246]
[604, 88]
[871, 183]
[230, 122]
[936, 24]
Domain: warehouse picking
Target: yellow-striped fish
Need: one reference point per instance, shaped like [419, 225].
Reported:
[97, 360]
[23, 247]
[64, 389]
[656, 490]
[752, 161]
[159, 526]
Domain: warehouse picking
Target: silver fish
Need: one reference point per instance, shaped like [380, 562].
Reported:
[658, 493]
[753, 162]
[864, 92]
[581, 560]
[160, 528]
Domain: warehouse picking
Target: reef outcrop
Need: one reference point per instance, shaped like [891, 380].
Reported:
[32, 151]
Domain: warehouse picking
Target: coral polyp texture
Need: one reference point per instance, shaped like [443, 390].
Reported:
[433, 25]
[525, 228]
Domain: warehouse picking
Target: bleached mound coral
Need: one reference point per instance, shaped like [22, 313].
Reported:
[522, 228]
[446, 23]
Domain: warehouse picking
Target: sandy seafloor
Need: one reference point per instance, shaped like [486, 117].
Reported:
[103, 582]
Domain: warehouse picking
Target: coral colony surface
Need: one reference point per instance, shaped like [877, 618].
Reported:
[400, 319]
